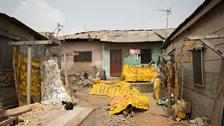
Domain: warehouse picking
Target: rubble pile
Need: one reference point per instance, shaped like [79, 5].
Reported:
[198, 121]
[79, 81]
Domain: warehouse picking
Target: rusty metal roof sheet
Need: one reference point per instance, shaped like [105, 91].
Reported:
[151, 35]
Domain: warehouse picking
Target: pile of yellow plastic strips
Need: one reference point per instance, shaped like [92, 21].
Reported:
[134, 98]
[20, 69]
[109, 88]
[138, 73]
[122, 93]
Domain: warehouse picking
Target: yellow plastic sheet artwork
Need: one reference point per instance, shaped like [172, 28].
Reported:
[20, 69]
[137, 73]
[134, 98]
[157, 88]
[109, 88]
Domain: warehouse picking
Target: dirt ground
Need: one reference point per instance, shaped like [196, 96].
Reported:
[155, 116]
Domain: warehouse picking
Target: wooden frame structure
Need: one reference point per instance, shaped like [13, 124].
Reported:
[29, 60]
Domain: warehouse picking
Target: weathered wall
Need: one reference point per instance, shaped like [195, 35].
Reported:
[22, 34]
[202, 98]
[128, 58]
[8, 28]
[76, 67]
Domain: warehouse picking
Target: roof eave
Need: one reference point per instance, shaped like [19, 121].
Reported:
[182, 27]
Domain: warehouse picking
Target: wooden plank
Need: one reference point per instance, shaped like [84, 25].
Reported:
[212, 36]
[10, 122]
[66, 73]
[29, 74]
[40, 42]
[212, 47]
[80, 119]
[18, 110]
[72, 118]
[218, 105]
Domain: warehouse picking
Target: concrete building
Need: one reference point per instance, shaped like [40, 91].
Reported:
[109, 50]
[203, 72]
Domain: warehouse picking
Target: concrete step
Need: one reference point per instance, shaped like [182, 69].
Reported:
[143, 87]
[79, 116]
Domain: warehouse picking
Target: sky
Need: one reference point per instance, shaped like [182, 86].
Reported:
[91, 15]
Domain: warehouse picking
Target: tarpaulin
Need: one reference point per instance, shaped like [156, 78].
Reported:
[134, 73]
[111, 89]
[134, 98]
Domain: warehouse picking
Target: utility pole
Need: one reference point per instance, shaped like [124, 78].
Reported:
[168, 12]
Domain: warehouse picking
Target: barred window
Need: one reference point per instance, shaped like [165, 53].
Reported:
[83, 57]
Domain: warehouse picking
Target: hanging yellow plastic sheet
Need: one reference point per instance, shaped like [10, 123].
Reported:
[20, 71]
[157, 88]
[138, 73]
[111, 89]
[134, 98]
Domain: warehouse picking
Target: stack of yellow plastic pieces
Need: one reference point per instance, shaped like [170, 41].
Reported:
[122, 93]
[134, 98]
[111, 89]
[137, 73]
[20, 67]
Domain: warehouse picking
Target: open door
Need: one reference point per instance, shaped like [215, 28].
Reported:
[115, 62]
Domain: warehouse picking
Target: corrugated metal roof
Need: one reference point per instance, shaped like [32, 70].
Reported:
[22, 25]
[151, 35]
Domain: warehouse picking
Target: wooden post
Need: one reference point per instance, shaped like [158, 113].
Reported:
[66, 73]
[29, 74]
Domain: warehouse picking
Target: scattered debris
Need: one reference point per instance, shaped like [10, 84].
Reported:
[198, 121]
[101, 75]
[79, 81]
[36, 113]
[180, 110]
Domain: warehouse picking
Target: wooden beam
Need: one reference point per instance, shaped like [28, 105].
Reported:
[18, 110]
[212, 47]
[204, 40]
[10, 122]
[41, 42]
[66, 73]
[212, 36]
[29, 74]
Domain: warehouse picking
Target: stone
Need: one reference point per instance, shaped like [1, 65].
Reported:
[200, 121]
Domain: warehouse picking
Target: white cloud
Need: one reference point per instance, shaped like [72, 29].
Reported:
[39, 15]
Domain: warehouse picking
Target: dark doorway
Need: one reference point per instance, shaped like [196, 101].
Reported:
[146, 56]
[115, 62]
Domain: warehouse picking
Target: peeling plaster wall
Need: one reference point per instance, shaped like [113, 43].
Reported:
[76, 67]
[128, 58]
